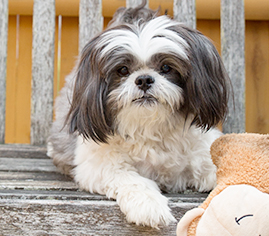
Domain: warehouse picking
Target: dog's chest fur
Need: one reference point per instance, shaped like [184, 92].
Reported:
[162, 154]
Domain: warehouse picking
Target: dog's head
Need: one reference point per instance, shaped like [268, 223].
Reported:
[145, 63]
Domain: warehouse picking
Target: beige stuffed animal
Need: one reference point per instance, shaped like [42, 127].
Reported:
[239, 205]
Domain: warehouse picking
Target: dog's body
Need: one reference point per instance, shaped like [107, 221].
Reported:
[131, 119]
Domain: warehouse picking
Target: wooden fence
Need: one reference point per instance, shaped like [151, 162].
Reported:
[43, 72]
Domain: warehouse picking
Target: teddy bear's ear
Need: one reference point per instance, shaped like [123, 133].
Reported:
[184, 223]
[220, 146]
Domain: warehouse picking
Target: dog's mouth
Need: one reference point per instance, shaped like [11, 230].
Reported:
[146, 99]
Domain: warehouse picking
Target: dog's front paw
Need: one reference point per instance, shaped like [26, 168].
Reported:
[146, 207]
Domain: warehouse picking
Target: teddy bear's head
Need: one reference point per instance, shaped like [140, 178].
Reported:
[239, 205]
[242, 159]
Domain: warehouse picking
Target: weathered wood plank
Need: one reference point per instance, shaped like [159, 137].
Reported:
[90, 20]
[185, 12]
[135, 3]
[33, 176]
[42, 70]
[75, 217]
[70, 195]
[23, 151]
[233, 54]
[35, 200]
[3, 65]
[27, 164]
[38, 185]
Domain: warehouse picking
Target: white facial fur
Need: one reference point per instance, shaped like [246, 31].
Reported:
[143, 42]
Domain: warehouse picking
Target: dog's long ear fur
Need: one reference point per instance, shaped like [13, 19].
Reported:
[87, 112]
[208, 85]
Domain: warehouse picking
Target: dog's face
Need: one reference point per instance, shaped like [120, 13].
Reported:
[156, 65]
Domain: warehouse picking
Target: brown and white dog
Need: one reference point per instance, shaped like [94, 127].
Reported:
[137, 114]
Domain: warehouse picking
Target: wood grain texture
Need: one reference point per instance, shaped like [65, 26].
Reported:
[37, 200]
[32, 176]
[135, 3]
[27, 164]
[19, 76]
[23, 151]
[185, 12]
[90, 20]
[206, 9]
[257, 76]
[42, 70]
[233, 55]
[3, 65]
[69, 47]
[40, 217]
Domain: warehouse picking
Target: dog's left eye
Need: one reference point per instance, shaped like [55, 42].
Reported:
[165, 69]
[123, 71]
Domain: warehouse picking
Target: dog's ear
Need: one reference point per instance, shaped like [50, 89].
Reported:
[208, 85]
[87, 113]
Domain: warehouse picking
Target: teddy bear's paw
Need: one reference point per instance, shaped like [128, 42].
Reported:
[147, 208]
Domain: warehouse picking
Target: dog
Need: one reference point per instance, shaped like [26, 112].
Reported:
[138, 114]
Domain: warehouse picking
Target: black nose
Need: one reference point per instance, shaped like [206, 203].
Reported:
[144, 82]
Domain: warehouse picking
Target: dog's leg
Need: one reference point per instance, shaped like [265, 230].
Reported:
[140, 199]
[107, 172]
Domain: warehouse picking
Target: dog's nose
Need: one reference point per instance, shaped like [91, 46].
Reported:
[144, 82]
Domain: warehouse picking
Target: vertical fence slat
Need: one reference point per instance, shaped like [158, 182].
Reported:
[185, 12]
[90, 20]
[134, 3]
[42, 70]
[3, 63]
[233, 54]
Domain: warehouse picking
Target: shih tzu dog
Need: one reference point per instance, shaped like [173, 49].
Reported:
[137, 114]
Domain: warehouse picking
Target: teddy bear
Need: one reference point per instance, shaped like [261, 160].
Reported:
[239, 204]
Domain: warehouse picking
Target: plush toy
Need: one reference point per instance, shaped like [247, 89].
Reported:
[239, 204]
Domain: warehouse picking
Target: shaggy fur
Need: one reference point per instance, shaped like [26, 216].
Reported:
[137, 114]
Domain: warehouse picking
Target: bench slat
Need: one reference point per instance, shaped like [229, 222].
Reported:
[70, 195]
[27, 164]
[185, 12]
[90, 20]
[3, 64]
[233, 54]
[42, 70]
[23, 151]
[38, 185]
[33, 217]
[32, 194]
[32, 176]
[35, 199]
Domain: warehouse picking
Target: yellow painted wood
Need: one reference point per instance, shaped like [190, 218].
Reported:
[211, 28]
[206, 9]
[11, 81]
[257, 76]
[19, 71]
[19, 81]
[69, 47]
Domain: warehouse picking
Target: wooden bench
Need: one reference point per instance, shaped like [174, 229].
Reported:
[35, 199]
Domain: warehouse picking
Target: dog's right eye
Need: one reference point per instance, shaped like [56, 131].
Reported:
[165, 69]
[123, 71]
